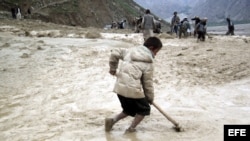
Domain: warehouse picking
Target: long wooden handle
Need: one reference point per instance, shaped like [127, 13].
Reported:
[165, 114]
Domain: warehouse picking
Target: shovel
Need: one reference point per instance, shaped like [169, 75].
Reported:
[176, 125]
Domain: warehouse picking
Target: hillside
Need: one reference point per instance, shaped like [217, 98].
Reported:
[84, 13]
[77, 12]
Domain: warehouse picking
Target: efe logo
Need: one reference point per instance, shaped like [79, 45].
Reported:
[236, 132]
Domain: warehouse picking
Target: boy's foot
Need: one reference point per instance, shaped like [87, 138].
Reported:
[130, 130]
[109, 122]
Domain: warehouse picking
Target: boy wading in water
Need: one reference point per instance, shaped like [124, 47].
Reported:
[134, 84]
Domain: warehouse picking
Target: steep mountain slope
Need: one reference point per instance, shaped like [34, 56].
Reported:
[217, 11]
[85, 13]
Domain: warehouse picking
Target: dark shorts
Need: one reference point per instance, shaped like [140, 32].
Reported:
[132, 106]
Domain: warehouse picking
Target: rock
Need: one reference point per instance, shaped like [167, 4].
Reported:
[25, 55]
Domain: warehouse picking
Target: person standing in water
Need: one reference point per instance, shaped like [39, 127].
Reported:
[134, 84]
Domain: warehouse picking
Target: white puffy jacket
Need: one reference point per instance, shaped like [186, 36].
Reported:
[135, 74]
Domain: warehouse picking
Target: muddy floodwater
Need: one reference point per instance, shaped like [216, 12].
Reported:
[240, 29]
[55, 85]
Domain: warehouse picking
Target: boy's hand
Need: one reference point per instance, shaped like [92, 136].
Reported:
[112, 72]
[150, 101]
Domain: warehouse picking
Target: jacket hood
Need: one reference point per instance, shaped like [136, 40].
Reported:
[140, 54]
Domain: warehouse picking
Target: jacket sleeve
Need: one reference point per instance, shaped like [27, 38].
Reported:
[178, 19]
[115, 56]
[142, 23]
[154, 23]
[147, 83]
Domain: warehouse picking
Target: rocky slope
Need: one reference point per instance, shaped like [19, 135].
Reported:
[217, 11]
[84, 13]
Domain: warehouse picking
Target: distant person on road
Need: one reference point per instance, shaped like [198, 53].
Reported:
[230, 27]
[148, 25]
[134, 84]
[174, 23]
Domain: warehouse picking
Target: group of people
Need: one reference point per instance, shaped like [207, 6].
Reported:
[149, 26]
[200, 27]
[18, 13]
[184, 27]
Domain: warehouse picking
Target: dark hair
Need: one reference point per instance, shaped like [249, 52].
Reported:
[153, 42]
[147, 11]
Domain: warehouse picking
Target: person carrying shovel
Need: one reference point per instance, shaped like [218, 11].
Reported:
[134, 84]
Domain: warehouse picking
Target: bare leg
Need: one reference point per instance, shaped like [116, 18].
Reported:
[119, 117]
[135, 122]
[109, 122]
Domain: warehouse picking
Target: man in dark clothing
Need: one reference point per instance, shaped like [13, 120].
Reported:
[13, 13]
[197, 20]
[230, 27]
[201, 29]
